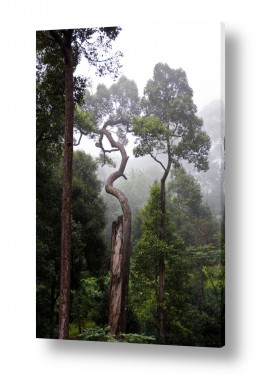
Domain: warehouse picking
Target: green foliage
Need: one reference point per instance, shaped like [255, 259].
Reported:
[118, 102]
[170, 125]
[194, 149]
[116, 106]
[50, 94]
[49, 112]
[84, 301]
[102, 334]
[84, 121]
[152, 134]
[124, 99]
[152, 210]
[97, 334]
[194, 271]
[91, 43]
[192, 218]
[144, 264]
[48, 205]
[193, 249]
[103, 159]
[74, 328]
[88, 247]
[87, 209]
[137, 338]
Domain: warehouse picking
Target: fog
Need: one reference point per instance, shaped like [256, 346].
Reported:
[197, 48]
[193, 46]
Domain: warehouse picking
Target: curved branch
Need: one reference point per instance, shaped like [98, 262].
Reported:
[151, 154]
[79, 140]
[109, 187]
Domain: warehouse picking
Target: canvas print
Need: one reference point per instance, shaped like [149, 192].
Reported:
[130, 213]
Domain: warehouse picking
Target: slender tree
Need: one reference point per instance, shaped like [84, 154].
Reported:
[121, 244]
[113, 110]
[169, 132]
[66, 47]
[192, 217]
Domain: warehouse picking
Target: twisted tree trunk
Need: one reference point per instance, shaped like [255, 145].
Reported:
[121, 246]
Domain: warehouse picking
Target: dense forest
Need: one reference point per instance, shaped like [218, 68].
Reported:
[130, 240]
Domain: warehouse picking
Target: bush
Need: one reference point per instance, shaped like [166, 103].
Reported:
[137, 338]
[102, 334]
[97, 334]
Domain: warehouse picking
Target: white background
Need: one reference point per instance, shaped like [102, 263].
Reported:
[20, 351]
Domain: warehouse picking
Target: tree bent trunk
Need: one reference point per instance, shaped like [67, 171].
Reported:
[121, 246]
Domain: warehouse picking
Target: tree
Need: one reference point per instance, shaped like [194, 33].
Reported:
[88, 210]
[88, 250]
[48, 227]
[212, 182]
[145, 269]
[192, 217]
[64, 49]
[169, 132]
[204, 252]
[194, 269]
[112, 110]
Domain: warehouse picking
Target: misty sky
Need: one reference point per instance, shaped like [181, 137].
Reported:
[193, 46]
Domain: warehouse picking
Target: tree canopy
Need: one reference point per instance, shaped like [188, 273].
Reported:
[170, 125]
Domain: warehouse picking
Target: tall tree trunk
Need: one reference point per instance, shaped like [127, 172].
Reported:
[65, 266]
[116, 281]
[119, 272]
[161, 264]
[161, 257]
[121, 247]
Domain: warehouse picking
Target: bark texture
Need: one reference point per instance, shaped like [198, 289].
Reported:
[65, 266]
[116, 281]
[121, 234]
